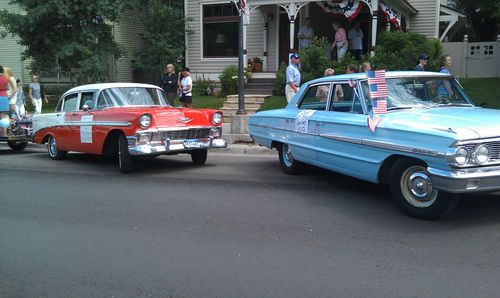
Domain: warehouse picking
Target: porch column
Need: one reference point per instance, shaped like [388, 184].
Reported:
[264, 54]
[292, 9]
[374, 26]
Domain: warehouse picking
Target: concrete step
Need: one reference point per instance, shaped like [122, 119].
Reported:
[234, 105]
[268, 92]
[250, 98]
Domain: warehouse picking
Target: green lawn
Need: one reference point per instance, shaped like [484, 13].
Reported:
[485, 92]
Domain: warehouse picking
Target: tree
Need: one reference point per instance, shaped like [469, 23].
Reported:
[164, 34]
[483, 16]
[73, 36]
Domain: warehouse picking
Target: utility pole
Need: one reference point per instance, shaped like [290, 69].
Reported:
[241, 68]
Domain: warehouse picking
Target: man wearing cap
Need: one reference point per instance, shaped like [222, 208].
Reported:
[187, 87]
[292, 77]
[422, 62]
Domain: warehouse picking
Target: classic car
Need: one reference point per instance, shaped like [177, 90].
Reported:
[18, 132]
[430, 143]
[127, 120]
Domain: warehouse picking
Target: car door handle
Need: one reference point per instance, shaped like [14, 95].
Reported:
[287, 120]
[320, 123]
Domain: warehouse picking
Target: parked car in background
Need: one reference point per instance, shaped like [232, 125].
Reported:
[431, 143]
[18, 132]
[127, 120]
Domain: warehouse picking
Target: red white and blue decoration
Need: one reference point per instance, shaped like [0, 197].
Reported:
[390, 14]
[349, 8]
[378, 94]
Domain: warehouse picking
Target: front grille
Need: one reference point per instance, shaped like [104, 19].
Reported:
[494, 147]
[194, 133]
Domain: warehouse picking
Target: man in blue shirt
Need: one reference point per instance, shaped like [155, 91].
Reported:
[292, 77]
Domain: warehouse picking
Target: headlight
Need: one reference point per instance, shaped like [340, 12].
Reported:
[461, 156]
[481, 154]
[217, 118]
[145, 121]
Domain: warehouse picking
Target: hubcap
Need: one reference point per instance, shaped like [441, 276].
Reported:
[417, 187]
[52, 146]
[287, 155]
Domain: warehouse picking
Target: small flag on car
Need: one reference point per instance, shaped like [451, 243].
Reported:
[376, 83]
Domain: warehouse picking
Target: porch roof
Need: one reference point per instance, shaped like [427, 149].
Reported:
[402, 4]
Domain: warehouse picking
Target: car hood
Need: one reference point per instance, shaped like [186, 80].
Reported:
[464, 122]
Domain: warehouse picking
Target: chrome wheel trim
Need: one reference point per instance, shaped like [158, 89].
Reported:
[287, 155]
[417, 187]
[52, 146]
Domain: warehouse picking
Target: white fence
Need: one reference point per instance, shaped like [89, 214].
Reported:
[474, 59]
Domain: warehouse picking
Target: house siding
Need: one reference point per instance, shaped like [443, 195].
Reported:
[210, 68]
[425, 21]
[127, 33]
[11, 50]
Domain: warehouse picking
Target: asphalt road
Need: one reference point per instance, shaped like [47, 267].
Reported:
[236, 227]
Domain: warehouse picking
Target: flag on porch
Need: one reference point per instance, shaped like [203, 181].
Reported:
[349, 8]
[243, 6]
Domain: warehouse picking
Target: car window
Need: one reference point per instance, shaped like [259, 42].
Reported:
[316, 97]
[345, 99]
[87, 99]
[104, 100]
[59, 105]
[70, 102]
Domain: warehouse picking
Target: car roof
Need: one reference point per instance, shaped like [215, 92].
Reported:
[101, 86]
[388, 74]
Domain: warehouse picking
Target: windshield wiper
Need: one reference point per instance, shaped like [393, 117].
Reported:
[405, 107]
[451, 104]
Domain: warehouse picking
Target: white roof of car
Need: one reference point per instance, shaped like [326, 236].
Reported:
[102, 86]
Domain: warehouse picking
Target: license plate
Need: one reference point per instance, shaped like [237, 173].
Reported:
[195, 144]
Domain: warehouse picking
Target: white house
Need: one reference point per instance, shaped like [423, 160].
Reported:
[271, 27]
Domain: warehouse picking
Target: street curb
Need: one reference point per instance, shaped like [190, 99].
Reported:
[245, 149]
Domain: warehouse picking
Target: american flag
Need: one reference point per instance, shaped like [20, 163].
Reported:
[243, 6]
[379, 106]
[376, 83]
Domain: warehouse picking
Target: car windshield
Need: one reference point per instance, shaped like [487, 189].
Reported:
[132, 96]
[421, 92]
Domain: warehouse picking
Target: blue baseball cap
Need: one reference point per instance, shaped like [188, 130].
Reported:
[294, 56]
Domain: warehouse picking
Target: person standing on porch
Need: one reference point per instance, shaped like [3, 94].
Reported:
[356, 36]
[292, 77]
[340, 41]
[305, 34]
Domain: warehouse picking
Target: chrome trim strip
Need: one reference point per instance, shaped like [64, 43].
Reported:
[475, 141]
[379, 144]
[97, 123]
[285, 129]
[466, 180]
[176, 128]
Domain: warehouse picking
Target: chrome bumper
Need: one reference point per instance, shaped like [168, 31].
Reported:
[167, 146]
[466, 180]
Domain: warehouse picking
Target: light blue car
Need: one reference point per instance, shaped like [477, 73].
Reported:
[431, 144]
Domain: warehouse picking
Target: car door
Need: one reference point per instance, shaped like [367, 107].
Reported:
[62, 132]
[303, 125]
[340, 131]
[84, 136]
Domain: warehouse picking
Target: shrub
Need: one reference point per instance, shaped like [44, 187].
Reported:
[397, 50]
[229, 80]
[201, 87]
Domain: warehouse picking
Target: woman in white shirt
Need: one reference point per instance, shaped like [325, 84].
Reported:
[187, 87]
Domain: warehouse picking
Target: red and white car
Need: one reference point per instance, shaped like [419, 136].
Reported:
[128, 120]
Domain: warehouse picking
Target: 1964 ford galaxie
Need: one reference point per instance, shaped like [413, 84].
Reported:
[429, 142]
[127, 120]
